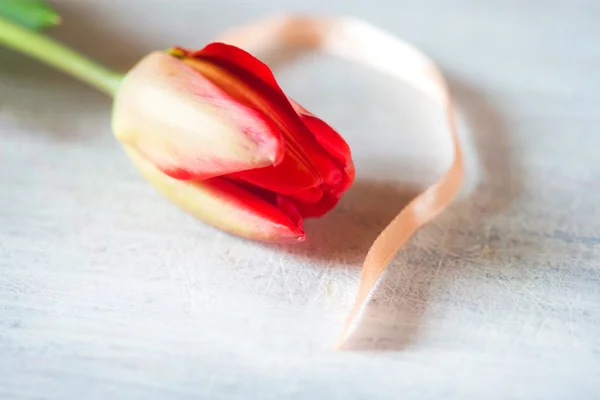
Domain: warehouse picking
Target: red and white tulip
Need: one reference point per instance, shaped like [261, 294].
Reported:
[213, 132]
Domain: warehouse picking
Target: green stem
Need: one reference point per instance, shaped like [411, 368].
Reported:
[45, 49]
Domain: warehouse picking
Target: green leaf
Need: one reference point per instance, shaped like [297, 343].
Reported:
[33, 14]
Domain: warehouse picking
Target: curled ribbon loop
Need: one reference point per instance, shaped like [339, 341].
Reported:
[360, 42]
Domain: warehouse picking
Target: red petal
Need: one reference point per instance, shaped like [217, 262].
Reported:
[331, 141]
[295, 178]
[288, 207]
[241, 59]
[327, 137]
[289, 178]
[280, 221]
[327, 202]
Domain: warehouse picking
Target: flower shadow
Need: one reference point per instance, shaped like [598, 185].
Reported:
[345, 234]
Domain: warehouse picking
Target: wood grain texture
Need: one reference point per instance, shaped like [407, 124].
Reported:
[109, 292]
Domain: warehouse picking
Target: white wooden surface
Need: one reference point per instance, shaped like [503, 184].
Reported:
[109, 292]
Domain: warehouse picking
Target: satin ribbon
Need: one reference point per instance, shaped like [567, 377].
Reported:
[363, 43]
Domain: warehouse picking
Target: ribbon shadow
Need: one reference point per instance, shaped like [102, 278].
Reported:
[396, 313]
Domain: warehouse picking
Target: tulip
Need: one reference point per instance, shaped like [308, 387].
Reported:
[214, 133]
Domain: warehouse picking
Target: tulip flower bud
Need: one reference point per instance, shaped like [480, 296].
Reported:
[214, 133]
